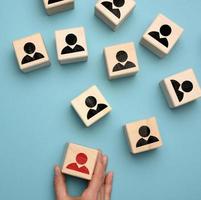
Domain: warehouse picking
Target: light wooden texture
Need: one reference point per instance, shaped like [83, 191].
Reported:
[60, 6]
[111, 60]
[61, 44]
[37, 40]
[155, 46]
[133, 136]
[72, 151]
[109, 18]
[82, 109]
[169, 91]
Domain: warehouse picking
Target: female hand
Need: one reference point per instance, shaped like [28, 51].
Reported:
[99, 188]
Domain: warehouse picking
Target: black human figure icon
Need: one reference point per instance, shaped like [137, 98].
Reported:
[30, 48]
[91, 102]
[122, 57]
[53, 1]
[186, 87]
[71, 40]
[165, 30]
[144, 131]
[116, 3]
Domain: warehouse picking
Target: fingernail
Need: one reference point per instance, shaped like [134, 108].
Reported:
[57, 171]
[111, 174]
[105, 160]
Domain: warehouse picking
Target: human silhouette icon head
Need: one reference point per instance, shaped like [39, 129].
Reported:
[29, 48]
[81, 158]
[144, 131]
[165, 30]
[90, 101]
[71, 39]
[118, 3]
[121, 56]
[187, 86]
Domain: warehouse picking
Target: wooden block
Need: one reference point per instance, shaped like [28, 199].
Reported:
[55, 6]
[71, 45]
[91, 106]
[114, 12]
[31, 53]
[80, 161]
[181, 88]
[143, 135]
[161, 36]
[121, 60]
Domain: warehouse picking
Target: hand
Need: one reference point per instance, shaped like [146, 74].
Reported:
[99, 188]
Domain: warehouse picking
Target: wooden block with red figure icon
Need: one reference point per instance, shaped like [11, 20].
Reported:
[80, 161]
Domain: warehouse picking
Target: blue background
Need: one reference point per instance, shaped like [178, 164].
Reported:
[36, 119]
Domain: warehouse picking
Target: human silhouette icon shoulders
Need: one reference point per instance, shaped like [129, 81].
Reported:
[91, 102]
[110, 6]
[81, 159]
[71, 40]
[29, 48]
[122, 57]
[54, 1]
[165, 31]
[144, 132]
[186, 87]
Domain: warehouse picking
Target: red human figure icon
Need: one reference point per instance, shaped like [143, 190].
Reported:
[81, 159]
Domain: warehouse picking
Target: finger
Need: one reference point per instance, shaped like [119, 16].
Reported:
[108, 186]
[101, 194]
[59, 184]
[99, 174]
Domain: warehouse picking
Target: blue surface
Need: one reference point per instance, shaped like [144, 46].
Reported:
[36, 119]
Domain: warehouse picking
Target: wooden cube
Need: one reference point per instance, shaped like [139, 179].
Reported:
[31, 53]
[161, 36]
[91, 106]
[143, 135]
[181, 88]
[80, 161]
[114, 12]
[55, 6]
[121, 60]
[71, 45]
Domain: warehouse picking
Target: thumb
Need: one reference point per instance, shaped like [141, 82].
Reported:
[60, 185]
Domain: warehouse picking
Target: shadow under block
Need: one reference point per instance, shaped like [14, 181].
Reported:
[121, 12]
[80, 161]
[181, 88]
[121, 60]
[53, 8]
[143, 135]
[161, 36]
[31, 53]
[71, 45]
[91, 106]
